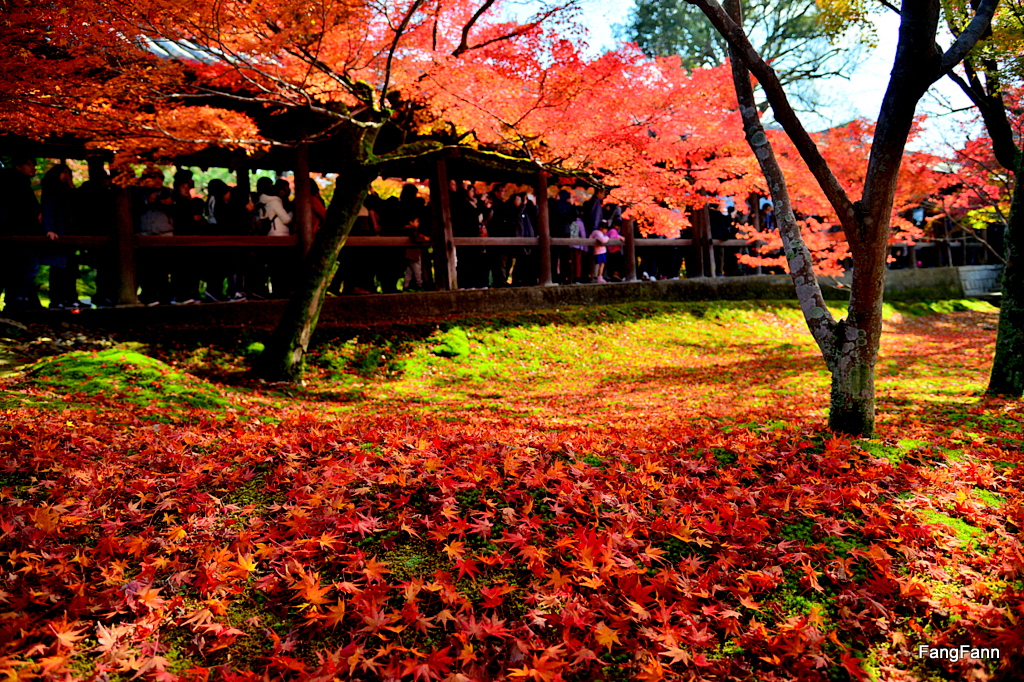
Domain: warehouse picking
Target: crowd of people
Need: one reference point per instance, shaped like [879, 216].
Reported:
[63, 210]
[188, 275]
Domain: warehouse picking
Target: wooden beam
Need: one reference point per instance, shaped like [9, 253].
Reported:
[629, 250]
[64, 240]
[445, 275]
[216, 240]
[127, 282]
[544, 230]
[303, 199]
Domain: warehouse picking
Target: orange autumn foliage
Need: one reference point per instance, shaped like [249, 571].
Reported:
[161, 78]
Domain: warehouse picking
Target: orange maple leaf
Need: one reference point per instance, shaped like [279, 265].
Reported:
[606, 636]
[335, 614]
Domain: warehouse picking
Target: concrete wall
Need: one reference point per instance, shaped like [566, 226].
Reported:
[923, 283]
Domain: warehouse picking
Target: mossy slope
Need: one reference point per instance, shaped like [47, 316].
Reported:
[123, 375]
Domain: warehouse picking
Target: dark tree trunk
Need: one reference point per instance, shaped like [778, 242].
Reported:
[282, 359]
[1008, 366]
[849, 347]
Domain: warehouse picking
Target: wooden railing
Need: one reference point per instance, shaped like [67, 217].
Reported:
[125, 243]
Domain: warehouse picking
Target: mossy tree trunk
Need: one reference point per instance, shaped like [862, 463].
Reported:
[1008, 365]
[283, 357]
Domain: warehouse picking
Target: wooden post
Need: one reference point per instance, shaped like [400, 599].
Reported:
[127, 283]
[912, 252]
[445, 274]
[303, 199]
[242, 182]
[629, 249]
[708, 249]
[96, 168]
[544, 229]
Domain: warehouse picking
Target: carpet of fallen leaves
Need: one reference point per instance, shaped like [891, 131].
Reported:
[646, 498]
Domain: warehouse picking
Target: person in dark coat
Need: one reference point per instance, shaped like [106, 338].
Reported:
[94, 216]
[466, 219]
[187, 216]
[504, 216]
[58, 207]
[562, 214]
[527, 262]
[19, 216]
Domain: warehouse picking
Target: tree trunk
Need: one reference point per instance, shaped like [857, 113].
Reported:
[852, 364]
[1008, 366]
[282, 359]
[857, 338]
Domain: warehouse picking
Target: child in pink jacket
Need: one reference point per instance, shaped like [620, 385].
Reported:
[600, 251]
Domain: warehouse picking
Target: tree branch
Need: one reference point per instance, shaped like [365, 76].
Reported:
[399, 32]
[464, 43]
[993, 112]
[966, 41]
[783, 111]
[801, 266]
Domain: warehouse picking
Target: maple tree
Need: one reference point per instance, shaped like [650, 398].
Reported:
[447, 535]
[382, 84]
[846, 149]
[850, 345]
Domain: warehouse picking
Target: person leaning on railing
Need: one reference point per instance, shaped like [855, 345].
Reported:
[153, 270]
[58, 208]
[19, 216]
[94, 216]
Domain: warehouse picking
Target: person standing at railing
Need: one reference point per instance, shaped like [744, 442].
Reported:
[592, 214]
[502, 225]
[270, 210]
[722, 228]
[562, 214]
[270, 219]
[153, 270]
[600, 251]
[768, 224]
[412, 216]
[220, 265]
[616, 267]
[94, 216]
[19, 216]
[187, 217]
[526, 267]
[466, 214]
[58, 206]
[317, 206]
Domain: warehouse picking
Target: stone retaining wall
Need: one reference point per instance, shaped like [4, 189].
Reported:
[931, 283]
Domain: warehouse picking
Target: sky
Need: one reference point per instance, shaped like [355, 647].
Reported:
[860, 95]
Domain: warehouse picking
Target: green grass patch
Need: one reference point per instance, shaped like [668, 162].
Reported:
[452, 343]
[964, 532]
[876, 448]
[989, 498]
